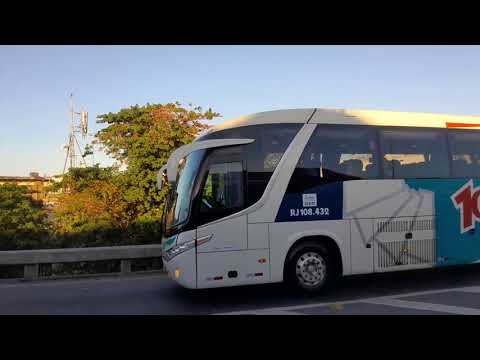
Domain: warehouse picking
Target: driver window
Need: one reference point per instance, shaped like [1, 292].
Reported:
[223, 191]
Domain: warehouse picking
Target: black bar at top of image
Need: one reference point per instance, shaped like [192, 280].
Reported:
[176, 27]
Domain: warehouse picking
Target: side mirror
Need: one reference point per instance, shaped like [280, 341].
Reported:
[162, 178]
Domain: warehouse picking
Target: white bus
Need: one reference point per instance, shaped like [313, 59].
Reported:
[309, 195]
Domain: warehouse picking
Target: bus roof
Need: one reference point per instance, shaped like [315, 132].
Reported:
[352, 117]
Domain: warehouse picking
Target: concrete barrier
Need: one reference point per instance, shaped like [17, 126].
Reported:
[31, 259]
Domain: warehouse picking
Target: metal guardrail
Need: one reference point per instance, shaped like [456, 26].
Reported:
[31, 259]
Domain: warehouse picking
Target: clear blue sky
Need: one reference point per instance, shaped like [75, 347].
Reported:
[35, 82]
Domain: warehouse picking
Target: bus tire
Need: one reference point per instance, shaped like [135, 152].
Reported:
[311, 268]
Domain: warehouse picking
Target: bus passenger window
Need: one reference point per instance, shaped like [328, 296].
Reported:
[414, 153]
[336, 153]
[465, 149]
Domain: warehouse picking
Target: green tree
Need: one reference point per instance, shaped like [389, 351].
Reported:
[106, 206]
[23, 222]
[142, 138]
[78, 179]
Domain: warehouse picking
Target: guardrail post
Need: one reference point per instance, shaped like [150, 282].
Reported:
[30, 271]
[125, 266]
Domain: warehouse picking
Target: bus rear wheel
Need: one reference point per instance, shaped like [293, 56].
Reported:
[310, 268]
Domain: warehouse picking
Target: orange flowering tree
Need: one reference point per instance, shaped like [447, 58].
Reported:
[126, 205]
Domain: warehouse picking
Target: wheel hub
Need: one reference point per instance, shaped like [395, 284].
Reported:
[310, 269]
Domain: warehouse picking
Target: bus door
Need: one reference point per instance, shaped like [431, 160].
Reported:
[222, 194]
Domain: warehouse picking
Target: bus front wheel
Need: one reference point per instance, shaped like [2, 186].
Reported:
[310, 268]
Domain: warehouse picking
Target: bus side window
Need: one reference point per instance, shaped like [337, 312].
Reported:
[465, 149]
[336, 153]
[414, 153]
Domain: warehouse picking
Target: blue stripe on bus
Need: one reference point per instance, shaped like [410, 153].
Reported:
[329, 204]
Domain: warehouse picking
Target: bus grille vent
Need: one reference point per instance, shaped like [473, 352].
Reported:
[405, 252]
[405, 225]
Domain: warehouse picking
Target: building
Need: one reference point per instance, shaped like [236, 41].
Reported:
[35, 183]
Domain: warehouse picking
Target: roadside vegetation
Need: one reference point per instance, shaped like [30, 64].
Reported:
[117, 205]
[23, 222]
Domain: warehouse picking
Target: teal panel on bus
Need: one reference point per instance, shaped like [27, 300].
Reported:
[456, 210]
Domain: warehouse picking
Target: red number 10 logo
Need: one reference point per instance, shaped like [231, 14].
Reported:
[466, 200]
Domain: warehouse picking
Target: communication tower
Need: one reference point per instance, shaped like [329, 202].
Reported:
[75, 155]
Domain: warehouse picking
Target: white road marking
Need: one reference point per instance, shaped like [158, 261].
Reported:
[472, 289]
[416, 305]
[391, 299]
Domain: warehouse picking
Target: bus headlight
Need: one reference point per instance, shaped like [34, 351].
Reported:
[178, 249]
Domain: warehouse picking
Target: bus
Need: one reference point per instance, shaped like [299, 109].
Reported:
[307, 196]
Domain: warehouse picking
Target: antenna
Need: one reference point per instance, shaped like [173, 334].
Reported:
[77, 126]
[84, 124]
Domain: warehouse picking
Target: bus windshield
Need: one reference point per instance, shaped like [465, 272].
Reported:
[177, 206]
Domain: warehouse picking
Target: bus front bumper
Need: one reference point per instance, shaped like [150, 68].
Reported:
[182, 269]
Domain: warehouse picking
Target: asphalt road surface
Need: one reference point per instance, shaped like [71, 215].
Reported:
[438, 291]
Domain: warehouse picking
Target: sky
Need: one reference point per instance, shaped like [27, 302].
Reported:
[36, 81]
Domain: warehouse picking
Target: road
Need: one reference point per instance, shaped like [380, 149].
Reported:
[439, 291]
